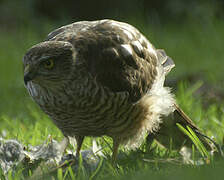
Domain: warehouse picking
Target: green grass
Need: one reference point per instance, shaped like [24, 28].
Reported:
[194, 47]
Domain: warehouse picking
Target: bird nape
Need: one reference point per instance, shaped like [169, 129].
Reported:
[96, 78]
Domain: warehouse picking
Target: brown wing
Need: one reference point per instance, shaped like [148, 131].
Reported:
[115, 53]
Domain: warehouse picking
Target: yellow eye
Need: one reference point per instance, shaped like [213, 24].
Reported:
[49, 64]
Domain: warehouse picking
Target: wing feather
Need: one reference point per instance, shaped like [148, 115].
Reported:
[114, 53]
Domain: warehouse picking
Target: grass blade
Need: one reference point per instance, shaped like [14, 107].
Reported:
[190, 133]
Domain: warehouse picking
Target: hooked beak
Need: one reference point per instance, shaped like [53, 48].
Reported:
[28, 76]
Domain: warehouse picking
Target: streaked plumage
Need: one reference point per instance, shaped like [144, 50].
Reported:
[107, 79]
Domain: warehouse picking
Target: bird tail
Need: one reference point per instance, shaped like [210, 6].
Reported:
[186, 121]
[166, 62]
[169, 130]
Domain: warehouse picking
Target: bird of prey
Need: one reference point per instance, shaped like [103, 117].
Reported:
[95, 78]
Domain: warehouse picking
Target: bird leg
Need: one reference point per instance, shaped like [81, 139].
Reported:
[149, 140]
[64, 143]
[79, 141]
[116, 143]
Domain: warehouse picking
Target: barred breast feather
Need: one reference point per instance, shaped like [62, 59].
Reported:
[117, 84]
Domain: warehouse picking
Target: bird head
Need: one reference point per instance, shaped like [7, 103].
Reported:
[48, 62]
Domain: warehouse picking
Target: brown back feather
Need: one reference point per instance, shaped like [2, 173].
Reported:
[111, 57]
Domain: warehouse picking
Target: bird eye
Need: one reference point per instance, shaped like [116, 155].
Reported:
[49, 64]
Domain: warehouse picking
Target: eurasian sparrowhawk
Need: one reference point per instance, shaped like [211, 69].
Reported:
[96, 78]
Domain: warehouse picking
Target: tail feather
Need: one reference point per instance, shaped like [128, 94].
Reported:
[169, 130]
[185, 121]
[165, 60]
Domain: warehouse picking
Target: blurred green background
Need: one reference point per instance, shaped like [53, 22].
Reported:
[191, 32]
